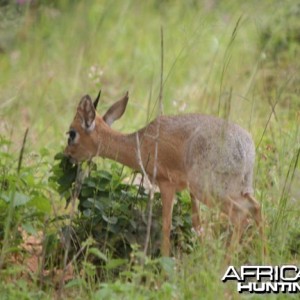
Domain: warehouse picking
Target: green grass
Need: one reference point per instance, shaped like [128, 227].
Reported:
[235, 59]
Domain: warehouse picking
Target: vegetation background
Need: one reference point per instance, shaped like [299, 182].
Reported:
[236, 59]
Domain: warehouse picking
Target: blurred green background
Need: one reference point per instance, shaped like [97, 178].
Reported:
[215, 52]
[234, 59]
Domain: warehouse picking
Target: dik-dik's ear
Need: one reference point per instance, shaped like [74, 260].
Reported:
[87, 113]
[116, 110]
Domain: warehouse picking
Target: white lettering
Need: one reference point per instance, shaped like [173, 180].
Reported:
[277, 279]
[265, 271]
[248, 271]
[270, 286]
[229, 276]
[245, 287]
[285, 269]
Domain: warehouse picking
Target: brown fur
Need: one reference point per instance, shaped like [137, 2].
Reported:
[211, 157]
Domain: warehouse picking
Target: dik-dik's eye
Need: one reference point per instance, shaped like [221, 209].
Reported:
[72, 135]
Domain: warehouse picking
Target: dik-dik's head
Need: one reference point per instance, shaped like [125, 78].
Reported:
[86, 136]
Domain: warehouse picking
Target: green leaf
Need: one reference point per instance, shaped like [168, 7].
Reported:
[92, 203]
[87, 212]
[41, 203]
[90, 182]
[29, 228]
[18, 198]
[98, 253]
[59, 156]
[89, 268]
[75, 283]
[110, 220]
[168, 265]
[44, 152]
[87, 192]
[115, 263]
[105, 174]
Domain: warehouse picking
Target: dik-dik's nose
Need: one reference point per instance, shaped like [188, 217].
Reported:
[68, 155]
[70, 158]
[66, 152]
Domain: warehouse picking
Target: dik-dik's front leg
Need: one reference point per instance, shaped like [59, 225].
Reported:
[167, 191]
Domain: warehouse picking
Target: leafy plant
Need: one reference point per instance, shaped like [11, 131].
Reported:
[114, 213]
[24, 199]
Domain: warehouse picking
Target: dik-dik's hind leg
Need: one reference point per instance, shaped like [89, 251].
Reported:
[252, 210]
[237, 215]
[240, 211]
[257, 216]
[255, 211]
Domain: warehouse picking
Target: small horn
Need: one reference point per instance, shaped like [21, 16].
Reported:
[97, 100]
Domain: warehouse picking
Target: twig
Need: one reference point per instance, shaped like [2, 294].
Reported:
[75, 256]
[75, 194]
[273, 106]
[22, 151]
[151, 194]
[160, 106]
[268, 121]
[160, 111]
[140, 162]
[227, 60]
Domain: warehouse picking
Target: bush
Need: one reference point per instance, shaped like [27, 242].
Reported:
[114, 213]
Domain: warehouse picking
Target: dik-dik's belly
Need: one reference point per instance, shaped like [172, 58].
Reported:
[175, 177]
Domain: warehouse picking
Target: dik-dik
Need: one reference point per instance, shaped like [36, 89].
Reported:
[209, 156]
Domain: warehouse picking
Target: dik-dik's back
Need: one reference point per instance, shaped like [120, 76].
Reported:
[216, 157]
[211, 157]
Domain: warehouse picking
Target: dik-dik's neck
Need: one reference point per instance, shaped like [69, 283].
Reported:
[119, 147]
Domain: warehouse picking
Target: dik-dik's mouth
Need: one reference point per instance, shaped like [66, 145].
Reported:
[71, 159]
